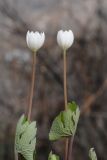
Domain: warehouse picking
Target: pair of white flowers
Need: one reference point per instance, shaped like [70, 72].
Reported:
[35, 40]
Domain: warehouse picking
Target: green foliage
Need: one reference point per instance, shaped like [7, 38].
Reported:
[53, 157]
[25, 139]
[65, 123]
[92, 154]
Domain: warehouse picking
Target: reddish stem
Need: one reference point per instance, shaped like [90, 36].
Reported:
[32, 86]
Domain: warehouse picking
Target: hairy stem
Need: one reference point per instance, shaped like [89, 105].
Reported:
[65, 100]
[32, 85]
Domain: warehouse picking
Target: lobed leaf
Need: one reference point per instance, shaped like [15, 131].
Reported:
[65, 123]
[25, 138]
[92, 154]
[53, 156]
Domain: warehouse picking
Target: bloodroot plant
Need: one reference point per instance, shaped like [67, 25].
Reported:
[65, 123]
[25, 139]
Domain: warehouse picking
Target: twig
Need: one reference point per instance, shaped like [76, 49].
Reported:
[88, 103]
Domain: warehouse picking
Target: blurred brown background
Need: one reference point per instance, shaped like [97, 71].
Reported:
[86, 71]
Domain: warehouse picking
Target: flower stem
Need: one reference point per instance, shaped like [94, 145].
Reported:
[65, 100]
[65, 81]
[32, 85]
[70, 148]
[66, 148]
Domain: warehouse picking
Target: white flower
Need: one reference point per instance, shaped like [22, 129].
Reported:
[65, 39]
[35, 40]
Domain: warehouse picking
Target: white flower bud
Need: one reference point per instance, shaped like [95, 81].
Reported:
[35, 40]
[65, 39]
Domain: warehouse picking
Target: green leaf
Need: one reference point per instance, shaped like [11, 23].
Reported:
[25, 139]
[65, 123]
[92, 154]
[53, 156]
